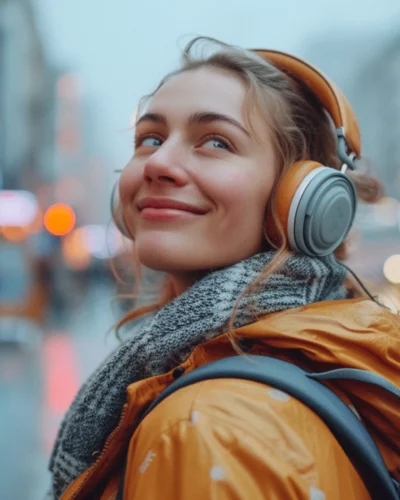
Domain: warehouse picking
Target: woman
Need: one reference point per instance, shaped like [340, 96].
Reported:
[221, 149]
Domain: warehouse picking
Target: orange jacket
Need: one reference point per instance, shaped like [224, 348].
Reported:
[237, 439]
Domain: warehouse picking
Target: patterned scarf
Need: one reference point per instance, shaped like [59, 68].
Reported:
[202, 312]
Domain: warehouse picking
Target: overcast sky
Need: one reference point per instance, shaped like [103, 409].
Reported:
[121, 48]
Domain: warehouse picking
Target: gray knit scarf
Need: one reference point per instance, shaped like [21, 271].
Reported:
[202, 312]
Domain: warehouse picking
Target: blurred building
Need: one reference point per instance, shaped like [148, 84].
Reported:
[367, 69]
[376, 98]
[49, 142]
[80, 161]
[26, 100]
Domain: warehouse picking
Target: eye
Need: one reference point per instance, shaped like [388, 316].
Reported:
[148, 141]
[216, 142]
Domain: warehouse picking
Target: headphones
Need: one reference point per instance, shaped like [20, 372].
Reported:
[316, 204]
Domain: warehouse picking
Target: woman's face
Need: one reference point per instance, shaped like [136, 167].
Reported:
[195, 191]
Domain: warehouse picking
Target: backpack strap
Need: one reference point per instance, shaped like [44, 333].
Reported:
[359, 376]
[340, 419]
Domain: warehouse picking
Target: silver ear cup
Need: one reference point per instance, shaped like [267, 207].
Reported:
[322, 212]
[116, 212]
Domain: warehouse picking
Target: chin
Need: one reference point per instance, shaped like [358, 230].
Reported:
[184, 253]
[171, 255]
[167, 262]
[160, 252]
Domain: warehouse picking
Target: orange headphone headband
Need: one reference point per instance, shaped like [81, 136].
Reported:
[330, 96]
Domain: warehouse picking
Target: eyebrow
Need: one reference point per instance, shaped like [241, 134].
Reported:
[195, 119]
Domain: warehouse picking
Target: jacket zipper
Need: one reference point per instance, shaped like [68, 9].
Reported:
[93, 468]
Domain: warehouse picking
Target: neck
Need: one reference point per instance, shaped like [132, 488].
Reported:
[182, 281]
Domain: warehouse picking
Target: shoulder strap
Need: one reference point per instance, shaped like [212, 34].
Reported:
[357, 375]
[344, 425]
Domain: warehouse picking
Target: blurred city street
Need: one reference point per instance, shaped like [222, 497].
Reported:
[39, 376]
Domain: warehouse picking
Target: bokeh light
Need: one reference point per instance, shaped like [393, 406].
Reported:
[75, 252]
[15, 234]
[391, 269]
[59, 219]
[101, 241]
[17, 207]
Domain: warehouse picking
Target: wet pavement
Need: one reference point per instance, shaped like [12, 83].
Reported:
[39, 376]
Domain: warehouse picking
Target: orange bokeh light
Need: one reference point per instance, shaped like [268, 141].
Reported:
[76, 255]
[15, 234]
[59, 219]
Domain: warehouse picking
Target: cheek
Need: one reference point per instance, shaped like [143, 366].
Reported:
[244, 194]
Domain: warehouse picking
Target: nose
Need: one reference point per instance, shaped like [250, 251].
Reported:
[165, 166]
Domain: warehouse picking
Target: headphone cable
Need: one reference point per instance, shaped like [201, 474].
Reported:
[366, 291]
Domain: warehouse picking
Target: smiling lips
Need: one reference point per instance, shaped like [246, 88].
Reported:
[165, 209]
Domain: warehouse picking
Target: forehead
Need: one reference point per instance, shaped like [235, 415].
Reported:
[205, 89]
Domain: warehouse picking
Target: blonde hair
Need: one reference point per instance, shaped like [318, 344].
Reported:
[300, 130]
